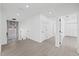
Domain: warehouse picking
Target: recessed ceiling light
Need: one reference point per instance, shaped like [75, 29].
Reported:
[50, 12]
[27, 6]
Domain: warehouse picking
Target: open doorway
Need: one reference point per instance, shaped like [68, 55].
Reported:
[12, 31]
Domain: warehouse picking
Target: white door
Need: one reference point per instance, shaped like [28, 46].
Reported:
[59, 32]
[62, 29]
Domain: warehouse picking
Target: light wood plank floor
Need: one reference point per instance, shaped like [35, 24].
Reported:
[46, 48]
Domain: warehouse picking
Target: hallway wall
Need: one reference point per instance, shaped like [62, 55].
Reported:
[30, 28]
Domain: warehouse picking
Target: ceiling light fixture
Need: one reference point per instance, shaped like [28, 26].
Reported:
[27, 6]
[50, 12]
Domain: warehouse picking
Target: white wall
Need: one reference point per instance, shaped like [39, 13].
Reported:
[2, 26]
[37, 28]
[70, 25]
[0, 23]
[77, 33]
[30, 28]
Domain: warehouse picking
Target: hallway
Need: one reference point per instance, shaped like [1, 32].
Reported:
[46, 48]
[45, 24]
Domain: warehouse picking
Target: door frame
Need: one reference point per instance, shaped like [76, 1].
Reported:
[17, 29]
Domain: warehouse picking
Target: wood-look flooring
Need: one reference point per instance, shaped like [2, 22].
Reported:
[46, 48]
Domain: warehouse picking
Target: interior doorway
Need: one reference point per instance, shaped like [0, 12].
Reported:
[12, 31]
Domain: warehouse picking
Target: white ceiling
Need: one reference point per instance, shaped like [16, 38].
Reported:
[56, 9]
